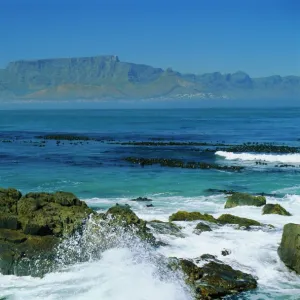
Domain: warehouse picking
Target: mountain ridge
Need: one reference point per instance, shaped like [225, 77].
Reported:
[105, 77]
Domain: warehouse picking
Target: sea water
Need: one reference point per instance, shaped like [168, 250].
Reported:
[97, 173]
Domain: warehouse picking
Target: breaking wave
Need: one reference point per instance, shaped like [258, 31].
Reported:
[281, 158]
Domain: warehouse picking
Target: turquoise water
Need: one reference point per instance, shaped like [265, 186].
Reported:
[96, 172]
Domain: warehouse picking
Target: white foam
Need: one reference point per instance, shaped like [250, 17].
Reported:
[281, 158]
[118, 275]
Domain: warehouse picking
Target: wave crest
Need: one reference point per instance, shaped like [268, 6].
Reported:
[281, 158]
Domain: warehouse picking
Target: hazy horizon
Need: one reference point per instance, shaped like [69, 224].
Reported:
[258, 37]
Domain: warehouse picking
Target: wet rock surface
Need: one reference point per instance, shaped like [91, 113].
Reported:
[32, 225]
[275, 209]
[214, 280]
[289, 249]
[240, 199]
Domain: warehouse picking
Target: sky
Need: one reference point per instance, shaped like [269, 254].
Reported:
[260, 37]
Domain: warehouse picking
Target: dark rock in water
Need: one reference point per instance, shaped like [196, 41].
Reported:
[66, 137]
[214, 280]
[201, 227]
[207, 257]
[289, 249]
[240, 199]
[191, 216]
[261, 148]
[225, 252]
[31, 226]
[166, 228]
[142, 199]
[177, 163]
[218, 191]
[275, 209]
[125, 217]
[241, 222]
[149, 205]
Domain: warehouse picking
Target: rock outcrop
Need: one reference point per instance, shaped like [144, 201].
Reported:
[213, 280]
[275, 209]
[32, 225]
[234, 220]
[289, 249]
[191, 216]
[240, 199]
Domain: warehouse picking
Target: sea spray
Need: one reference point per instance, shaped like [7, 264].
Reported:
[103, 262]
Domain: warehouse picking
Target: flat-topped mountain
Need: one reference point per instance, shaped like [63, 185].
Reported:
[106, 77]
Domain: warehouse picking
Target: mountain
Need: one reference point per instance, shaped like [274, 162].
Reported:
[106, 77]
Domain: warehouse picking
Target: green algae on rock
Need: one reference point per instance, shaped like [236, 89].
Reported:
[241, 222]
[275, 209]
[213, 280]
[122, 215]
[166, 228]
[240, 199]
[201, 227]
[289, 247]
[191, 216]
[31, 226]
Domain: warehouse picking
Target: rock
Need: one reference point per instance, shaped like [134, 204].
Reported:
[124, 216]
[8, 200]
[177, 163]
[206, 257]
[289, 249]
[275, 209]
[149, 205]
[31, 227]
[240, 199]
[225, 252]
[214, 280]
[191, 216]
[201, 227]
[142, 199]
[166, 228]
[59, 213]
[241, 222]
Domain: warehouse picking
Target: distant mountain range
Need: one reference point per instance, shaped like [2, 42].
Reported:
[106, 78]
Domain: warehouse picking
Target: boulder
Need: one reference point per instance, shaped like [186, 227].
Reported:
[31, 226]
[240, 199]
[289, 249]
[165, 228]
[191, 216]
[214, 280]
[142, 199]
[241, 222]
[201, 227]
[122, 215]
[275, 209]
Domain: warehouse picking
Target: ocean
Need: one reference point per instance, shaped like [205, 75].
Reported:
[95, 170]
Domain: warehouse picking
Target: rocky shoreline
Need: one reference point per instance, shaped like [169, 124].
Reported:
[34, 228]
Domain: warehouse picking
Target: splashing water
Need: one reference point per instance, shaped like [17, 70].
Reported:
[106, 263]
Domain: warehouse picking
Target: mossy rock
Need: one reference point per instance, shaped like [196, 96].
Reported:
[8, 200]
[191, 216]
[289, 249]
[213, 280]
[241, 222]
[201, 227]
[122, 215]
[31, 226]
[240, 199]
[166, 228]
[58, 214]
[275, 209]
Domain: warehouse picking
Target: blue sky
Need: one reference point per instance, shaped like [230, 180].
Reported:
[260, 37]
